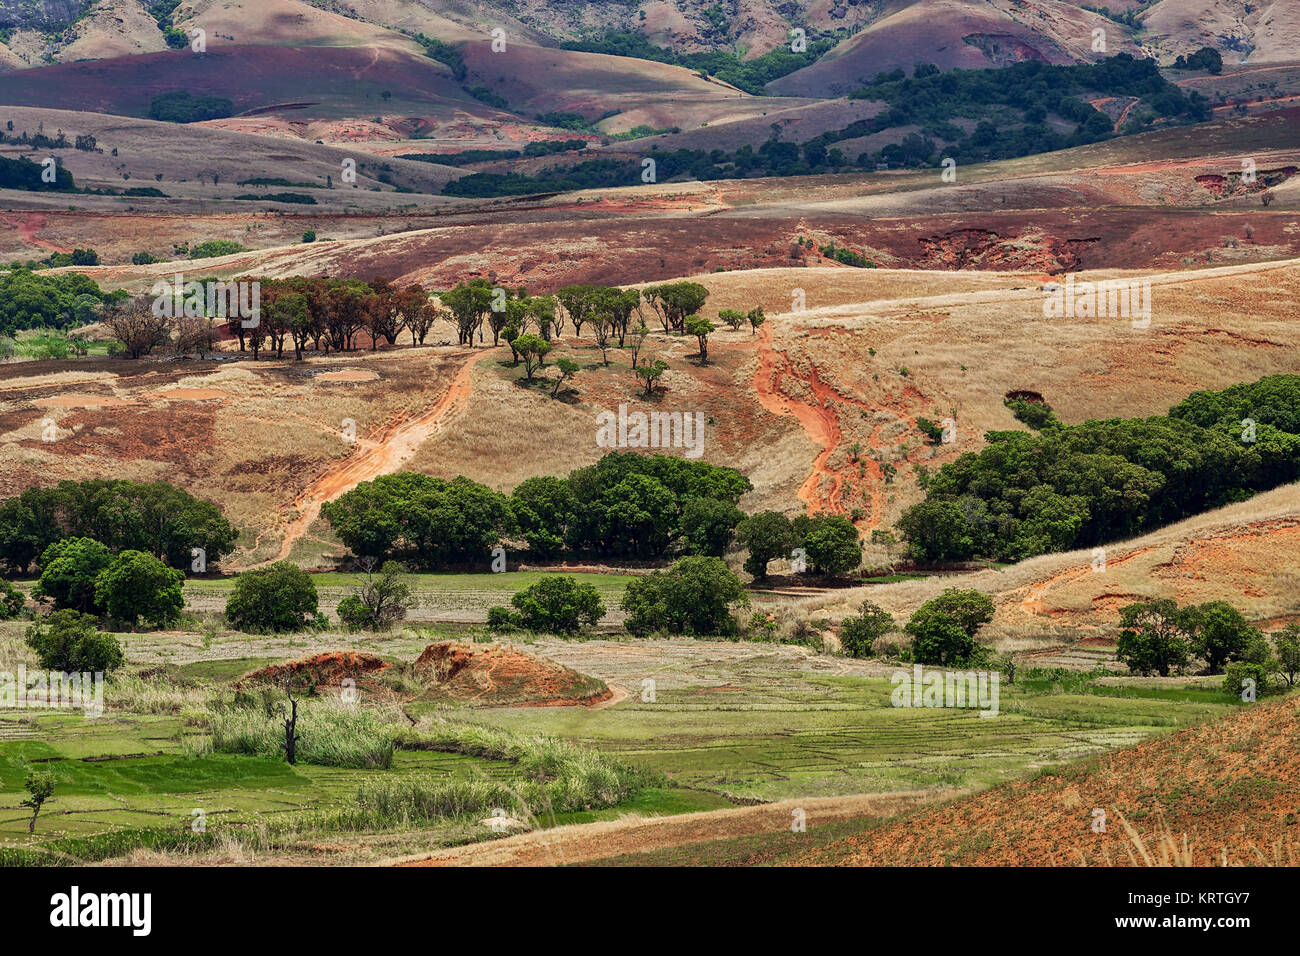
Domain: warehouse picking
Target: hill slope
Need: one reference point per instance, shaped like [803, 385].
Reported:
[1223, 793]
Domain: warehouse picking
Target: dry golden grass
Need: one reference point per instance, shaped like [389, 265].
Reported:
[786, 407]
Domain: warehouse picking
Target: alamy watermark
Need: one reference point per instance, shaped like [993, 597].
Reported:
[935, 688]
[195, 300]
[1108, 298]
[40, 690]
[626, 429]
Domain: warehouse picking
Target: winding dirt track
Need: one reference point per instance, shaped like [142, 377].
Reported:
[381, 454]
[583, 842]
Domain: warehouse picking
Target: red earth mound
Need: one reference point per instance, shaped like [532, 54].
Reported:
[498, 674]
[325, 670]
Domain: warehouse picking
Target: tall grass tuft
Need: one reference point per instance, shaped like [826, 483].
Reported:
[331, 734]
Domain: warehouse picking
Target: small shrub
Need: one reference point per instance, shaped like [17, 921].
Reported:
[503, 619]
[12, 601]
[70, 642]
[859, 634]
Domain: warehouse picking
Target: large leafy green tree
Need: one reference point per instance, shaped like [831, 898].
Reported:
[69, 570]
[558, 605]
[943, 629]
[708, 525]
[1219, 633]
[70, 642]
[937, 529]
[695, 596]
[1083, 485]
[154, 517]
[859, 633]
[543, 508]
[470, 303]
[35, 301]
[831, 543]
[421, 520]
[137, 585]
[278, 597]
[768, 535]
[1155, 638]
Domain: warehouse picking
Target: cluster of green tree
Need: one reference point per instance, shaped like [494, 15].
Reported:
[12, 601]
[1011, 106]
[847, 256]
[22, 173]
[943, 630]
[32, 301]
[1206, 58]
[750, 75]
[1031, 91]
[467, 157]
[1127, 17]
[554, 605]
[625, 505]
[773, 158]
[829, 543]
[325, 314]
[180, 106]
[77, 257]
[484, 95]
[564, 119]
[277, 181]
[40, 140]
[445, 53]
[83, 575]
[1083, 485]
[697, 595]
[642, 131]
[277, 598]
[155, 518]
[586, 175]
[162, 12]
[1159, 637]
[281, 597]
[1038, 415]
[70, 642]
[300, 198]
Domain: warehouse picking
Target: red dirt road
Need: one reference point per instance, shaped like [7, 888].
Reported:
[579, 843]
[381, 454]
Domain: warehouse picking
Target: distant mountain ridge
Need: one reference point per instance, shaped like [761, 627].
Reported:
[867, 36]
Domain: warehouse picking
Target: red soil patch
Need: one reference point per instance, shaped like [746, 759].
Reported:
[27, 226]
[326, 670]
[78, 401]
[498, 674]
[347, 375]
[831, 489]
[190, 394]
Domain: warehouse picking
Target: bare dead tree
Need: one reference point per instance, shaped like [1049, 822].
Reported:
[291, 735]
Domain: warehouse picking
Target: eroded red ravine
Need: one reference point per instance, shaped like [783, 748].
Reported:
[833, 490]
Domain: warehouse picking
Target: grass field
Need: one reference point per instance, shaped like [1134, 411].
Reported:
[766, 725]
[729, 724]
[36, 344]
